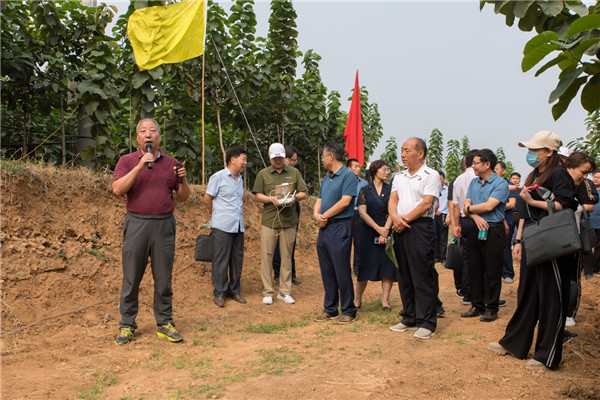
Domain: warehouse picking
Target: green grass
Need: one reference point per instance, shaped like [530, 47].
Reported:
[278, 327]
[95, 392]
[279, 361]
[180, 361]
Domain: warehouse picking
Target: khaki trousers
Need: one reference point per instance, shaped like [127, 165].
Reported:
[268, 241]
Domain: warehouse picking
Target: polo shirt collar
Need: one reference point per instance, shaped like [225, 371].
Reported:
[491, 179]
[339, 171]
[420, 172]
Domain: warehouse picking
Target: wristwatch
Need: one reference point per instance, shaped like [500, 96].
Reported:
[517, 241]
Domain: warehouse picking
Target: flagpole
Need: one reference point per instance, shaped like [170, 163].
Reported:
[203, 180]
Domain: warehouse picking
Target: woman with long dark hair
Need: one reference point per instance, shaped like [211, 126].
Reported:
[542, 296]
[375, 265]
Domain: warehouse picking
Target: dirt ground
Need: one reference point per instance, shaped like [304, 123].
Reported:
[60, 281]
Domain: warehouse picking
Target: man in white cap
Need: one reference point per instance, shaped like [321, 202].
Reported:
[278, 187]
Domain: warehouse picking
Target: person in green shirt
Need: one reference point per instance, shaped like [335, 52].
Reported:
[278, 187]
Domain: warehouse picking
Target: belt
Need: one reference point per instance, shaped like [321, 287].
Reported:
[495, 223]
[335, 221]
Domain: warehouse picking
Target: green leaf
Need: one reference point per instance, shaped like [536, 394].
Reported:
[139, 78]
[577, 7]
[586, 44]
[553, 62]
[537, 48]
[552, 7]
[559, 108]
[564, 83]
[590, 95]
[586, 23]
[91, 106]
[521, 8]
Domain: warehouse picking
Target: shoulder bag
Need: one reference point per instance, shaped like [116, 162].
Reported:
[552, 236]
[454, 255]
[204, 248]
[587, 231]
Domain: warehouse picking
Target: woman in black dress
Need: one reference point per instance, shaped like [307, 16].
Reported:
[375, 265]
[543, 292]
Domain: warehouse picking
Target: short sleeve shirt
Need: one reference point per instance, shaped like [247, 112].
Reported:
[481, 191]
[152, 190]
[334, 186]
[266, 183]
[461, 185]
[228, 201]
[411, 189]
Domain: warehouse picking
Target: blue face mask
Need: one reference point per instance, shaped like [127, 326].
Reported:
[532, 159]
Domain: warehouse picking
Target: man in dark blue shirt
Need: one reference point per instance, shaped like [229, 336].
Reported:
[333, 213]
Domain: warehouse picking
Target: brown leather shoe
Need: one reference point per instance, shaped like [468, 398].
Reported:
[239, 298]
[220, 301]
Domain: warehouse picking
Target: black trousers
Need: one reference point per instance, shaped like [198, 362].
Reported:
[334, 245]
[228, 258]
[508, 270]
[591, 261]
[417, 277]
[462, 276]
[145, 236]
[356, 227]
[542, 299]
[485, 267]
[441, 237]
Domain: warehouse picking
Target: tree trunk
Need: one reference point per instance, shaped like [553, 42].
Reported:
[84, 135]
[26, 122]
[62, 124]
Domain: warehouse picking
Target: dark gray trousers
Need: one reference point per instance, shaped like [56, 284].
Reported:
[143, 236]
[228, 258]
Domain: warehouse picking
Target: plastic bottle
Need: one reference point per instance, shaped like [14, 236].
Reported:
[544, 193]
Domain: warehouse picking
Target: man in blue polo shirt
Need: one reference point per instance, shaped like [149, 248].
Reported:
[485, 204]
[333, 213]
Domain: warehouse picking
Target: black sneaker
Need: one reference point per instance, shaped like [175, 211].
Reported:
[459, 294]
[568, 336]
[168, 331]
[501, 303]
[125, 335]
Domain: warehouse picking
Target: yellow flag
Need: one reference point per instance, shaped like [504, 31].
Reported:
[167, 34]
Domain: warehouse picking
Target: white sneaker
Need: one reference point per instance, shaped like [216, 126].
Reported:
[268, 300]
[570, 321]
[287, 298]
[401, 328]
[423, 333]
[508, 280]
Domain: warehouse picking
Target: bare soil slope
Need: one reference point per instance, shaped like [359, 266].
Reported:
[61, 275]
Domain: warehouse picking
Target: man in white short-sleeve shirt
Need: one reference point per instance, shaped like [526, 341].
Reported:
[411, 208]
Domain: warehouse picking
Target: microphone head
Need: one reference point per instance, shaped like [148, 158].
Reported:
[149, 147]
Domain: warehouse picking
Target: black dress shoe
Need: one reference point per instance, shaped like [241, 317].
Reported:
[220, 301]
[472, 313]
[239, 298]
[489, 316]
[296, 281]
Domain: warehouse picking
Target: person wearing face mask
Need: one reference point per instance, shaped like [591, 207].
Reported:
[543, 289]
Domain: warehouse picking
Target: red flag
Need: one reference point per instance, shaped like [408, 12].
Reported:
[353, 134]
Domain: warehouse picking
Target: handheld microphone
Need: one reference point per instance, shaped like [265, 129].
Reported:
[149, 150]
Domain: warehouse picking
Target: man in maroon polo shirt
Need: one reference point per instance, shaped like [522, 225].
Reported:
[148, 177]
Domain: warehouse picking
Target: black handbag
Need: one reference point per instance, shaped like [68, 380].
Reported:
[587, 231]
[454, 255]
[204, 248]
[552, 236]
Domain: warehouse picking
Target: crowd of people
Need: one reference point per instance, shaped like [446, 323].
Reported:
[399, 227]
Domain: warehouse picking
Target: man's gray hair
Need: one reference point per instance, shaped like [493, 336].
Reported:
[335, 150]
[137, 128]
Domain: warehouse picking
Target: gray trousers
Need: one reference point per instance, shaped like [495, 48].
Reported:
[228, 258]
[143, 236]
